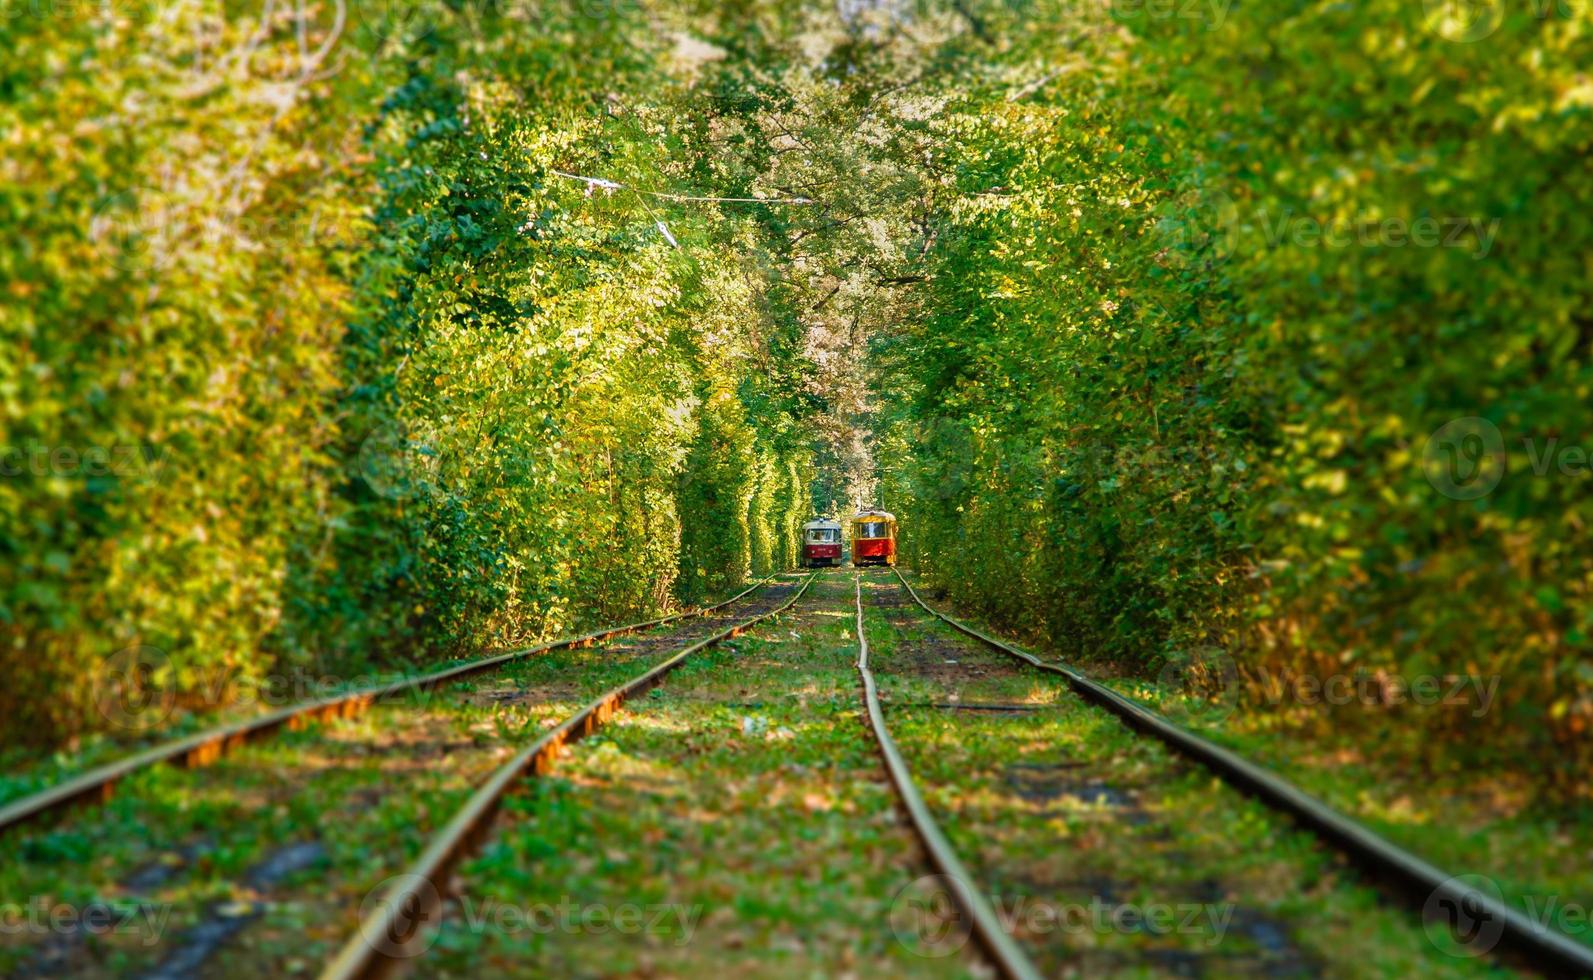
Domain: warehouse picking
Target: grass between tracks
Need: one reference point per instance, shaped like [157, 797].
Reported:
[1487, 825]
[1485, 828]
[1109, 855]
[738, 818]
[157, 719]
[274, 847]
[735, 818]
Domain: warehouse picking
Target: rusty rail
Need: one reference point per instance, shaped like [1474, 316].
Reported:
[387, 934]
[96, 785]
[1540, 943]
[1008, 958]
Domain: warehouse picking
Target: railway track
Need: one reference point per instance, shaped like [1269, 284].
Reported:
[385, 937]
[97, 784]
[387, 934]
[390, 929]
[1536, 943]
[1004, 953]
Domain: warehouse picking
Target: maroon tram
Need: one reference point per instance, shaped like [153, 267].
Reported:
[821, 543]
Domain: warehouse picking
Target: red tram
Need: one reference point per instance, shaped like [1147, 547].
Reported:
[821, 543]
[873, 538]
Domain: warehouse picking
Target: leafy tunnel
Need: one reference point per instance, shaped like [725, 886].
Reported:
[348, 336]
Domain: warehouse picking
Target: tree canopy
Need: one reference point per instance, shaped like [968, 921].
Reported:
[345, 336]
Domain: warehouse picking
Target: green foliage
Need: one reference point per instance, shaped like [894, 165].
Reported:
[172, 262]
[384, 386]
[1202, 297]
[717, 487]
[1134, 315]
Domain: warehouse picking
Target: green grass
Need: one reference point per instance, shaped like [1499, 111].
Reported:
[370, 790]
[1063, 811]
[1491, 822]
[746, 792]
[737, 819]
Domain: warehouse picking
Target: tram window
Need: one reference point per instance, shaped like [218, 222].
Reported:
[871, 529]
[824, 535]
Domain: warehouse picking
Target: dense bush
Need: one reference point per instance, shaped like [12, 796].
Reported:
[172, 253]
[374, 382]
[410, 336]
[1203, 299]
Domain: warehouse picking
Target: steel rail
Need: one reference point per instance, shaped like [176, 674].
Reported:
[386, 933]
[96, 785]
[1003, 951]
[1541, 944]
